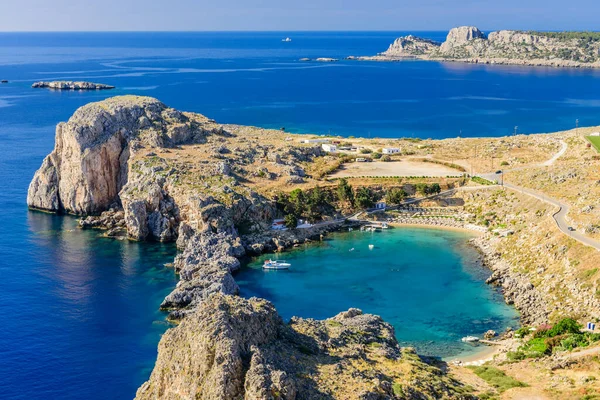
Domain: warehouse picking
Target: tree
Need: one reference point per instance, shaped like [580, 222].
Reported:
[434, 188]
[421, 188]
[297, 202]
[345, 191]
[290, 221]
[395, 196]
[376, 155]
[363, 198]
[315, 201]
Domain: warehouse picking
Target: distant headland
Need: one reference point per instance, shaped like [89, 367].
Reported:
[469, 44]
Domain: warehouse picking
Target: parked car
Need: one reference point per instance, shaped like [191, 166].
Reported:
[571, 229]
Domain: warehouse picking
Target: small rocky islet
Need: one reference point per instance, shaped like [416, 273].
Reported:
[528, 48]
[71, 85]
[145, 171]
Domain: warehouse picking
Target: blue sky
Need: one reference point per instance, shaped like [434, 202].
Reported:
[289, 15]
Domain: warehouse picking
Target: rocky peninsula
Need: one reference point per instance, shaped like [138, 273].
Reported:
[70, 85]
[469, 44]
[141, 170]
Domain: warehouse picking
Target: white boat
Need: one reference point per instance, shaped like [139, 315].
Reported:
[470, 339]
[352, 249]
[371, 247]
[287, 39]
[350, 229]
[276, 264]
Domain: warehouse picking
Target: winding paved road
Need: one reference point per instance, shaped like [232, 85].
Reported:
[563, 208]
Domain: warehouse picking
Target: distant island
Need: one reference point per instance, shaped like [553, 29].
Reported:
[469, 44]
[70, 85]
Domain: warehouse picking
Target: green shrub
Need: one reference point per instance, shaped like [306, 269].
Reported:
[523, 331]
[516, 355]
[566, 325]
[536, 348]
[503, 163]
[573, 341]
[397, 388]
[497, 378]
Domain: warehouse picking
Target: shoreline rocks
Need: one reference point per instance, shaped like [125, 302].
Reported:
[516, 287]
[71, 85]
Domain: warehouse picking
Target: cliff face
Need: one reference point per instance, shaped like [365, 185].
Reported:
[462, 36]
[231, 348]
[88, 166]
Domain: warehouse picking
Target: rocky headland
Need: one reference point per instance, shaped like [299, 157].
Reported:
[469, 44]
[140, 170]
[70, 85]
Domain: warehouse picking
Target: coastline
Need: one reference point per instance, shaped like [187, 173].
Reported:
[441, 227]
[485, 354]
[207, 232]
[540, 63]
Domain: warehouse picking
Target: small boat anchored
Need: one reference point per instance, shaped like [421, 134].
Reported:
[276, 264]
[287, 39]
[371, 247]
[470, 339]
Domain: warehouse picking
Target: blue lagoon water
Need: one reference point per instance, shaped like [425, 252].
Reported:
[429, 284]
[79, 315]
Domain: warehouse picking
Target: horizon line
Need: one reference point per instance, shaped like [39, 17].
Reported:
[291, 31]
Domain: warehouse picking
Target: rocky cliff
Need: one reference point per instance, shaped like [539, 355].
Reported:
[410, 46]
[469, 44]
[231, 348]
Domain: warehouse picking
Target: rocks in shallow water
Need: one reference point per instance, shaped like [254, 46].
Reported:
[70, 85]
[112, 220]
[490, 334]
[136, 220]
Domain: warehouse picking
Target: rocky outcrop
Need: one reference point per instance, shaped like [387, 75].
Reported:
[88, 171]
[469, 44]
[70, 85]
[232, 348]
[457, 37]
[410, 46]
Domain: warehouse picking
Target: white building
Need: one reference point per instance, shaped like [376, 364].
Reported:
[329, 148]
[595, 134]
[391, 150]
[315, 141]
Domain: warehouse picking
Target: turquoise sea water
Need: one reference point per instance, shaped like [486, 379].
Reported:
[79, 315]
[428, 283]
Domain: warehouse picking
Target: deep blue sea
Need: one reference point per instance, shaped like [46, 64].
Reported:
[79, 314]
